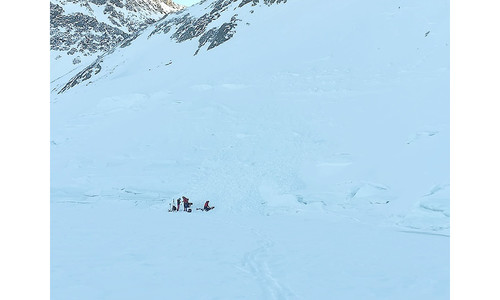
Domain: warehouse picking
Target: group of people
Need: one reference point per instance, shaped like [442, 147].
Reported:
[187, 205]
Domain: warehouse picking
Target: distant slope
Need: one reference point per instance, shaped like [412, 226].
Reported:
[80, 30]
[210, 23]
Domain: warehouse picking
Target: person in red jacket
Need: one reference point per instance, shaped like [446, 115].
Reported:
[185, 201]
[207, 207]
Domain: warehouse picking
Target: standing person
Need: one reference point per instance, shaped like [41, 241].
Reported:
[178, 204]
[207, 206]
[186, 203]
[172, 206]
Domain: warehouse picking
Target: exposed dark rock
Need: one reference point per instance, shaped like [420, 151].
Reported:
[80, 34]
[269, 2]
[245, 2]
[84, 34]
[189, 27]
[116, 3]
[129, 40]
[207, 36]
[224, 33]
[85, 74]
[98, 2]
[55, 10]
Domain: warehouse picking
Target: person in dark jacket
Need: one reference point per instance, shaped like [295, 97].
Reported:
[186, 203]
[207, 206]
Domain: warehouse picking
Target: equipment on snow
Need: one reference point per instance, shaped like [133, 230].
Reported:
[210, 208]
[172, 206]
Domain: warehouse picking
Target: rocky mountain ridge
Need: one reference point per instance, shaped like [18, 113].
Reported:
[88, 27]
[211, 24]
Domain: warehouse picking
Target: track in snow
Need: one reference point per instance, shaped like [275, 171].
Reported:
[256, 263]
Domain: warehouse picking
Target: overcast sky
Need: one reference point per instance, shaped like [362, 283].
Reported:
[186, 2]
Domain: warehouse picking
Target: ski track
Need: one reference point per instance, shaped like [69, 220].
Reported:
[256, 263]
[424, 232]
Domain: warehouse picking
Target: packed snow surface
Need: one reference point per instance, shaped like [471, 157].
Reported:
[319, 131]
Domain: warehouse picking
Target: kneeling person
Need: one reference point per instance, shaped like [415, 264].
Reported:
[207, 207]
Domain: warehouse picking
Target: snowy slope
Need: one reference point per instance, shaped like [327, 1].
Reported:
[319, 129]
[81, 30]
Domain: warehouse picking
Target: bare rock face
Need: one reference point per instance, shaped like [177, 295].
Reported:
[95, 26]
[188, 27]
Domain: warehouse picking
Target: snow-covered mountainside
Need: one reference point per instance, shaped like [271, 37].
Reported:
[210, 24]
[319, 129]
[80, 30]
